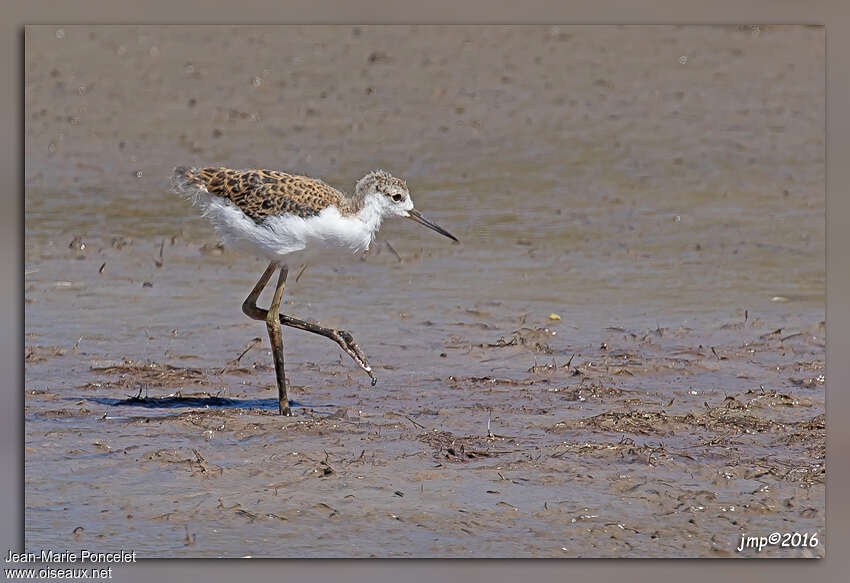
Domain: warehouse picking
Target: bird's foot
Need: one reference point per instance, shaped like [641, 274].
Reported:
[347, 343]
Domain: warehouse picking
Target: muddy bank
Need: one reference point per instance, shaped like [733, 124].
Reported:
[632, 448]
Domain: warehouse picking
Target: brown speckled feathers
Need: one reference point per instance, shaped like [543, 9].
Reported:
[263, 193]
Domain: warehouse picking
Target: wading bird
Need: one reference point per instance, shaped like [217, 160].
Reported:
[287, 218]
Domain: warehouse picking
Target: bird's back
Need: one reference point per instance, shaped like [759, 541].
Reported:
[263, 193]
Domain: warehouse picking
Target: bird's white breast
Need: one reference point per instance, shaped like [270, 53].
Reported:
[327, 234]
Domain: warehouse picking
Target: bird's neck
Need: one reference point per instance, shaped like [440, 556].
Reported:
[371, 214]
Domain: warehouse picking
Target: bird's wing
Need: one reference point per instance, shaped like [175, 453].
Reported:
[263, 193]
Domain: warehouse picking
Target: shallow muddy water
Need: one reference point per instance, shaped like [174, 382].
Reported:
[659, 191]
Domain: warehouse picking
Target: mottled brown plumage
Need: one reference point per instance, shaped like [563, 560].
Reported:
[263, 193]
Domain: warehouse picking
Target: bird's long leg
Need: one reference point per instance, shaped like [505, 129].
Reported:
[343, 338]
[276, 339]
[249, 306]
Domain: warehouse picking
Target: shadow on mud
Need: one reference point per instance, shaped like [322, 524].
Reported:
[197, 402]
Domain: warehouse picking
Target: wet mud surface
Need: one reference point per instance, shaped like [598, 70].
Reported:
[634, 371]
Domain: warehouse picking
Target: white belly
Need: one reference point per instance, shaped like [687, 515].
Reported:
[326, 236]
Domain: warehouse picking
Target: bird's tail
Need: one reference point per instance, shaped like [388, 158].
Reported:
[186, 182]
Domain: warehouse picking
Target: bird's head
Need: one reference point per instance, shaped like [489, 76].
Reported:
[389, 196]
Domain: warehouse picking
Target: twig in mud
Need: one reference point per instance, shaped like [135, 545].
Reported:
[391, 248]
[158, 262]
[164, 516]
[325, 469]
[776, 332]
[250, 345]
[249, 515]
[419, 425]
[333, 510]
[279, 517]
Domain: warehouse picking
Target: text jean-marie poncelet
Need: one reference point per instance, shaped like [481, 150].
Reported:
[82, 556]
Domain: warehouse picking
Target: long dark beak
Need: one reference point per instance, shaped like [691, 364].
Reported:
[415, 215]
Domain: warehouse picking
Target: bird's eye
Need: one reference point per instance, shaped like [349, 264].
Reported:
[397, 197]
